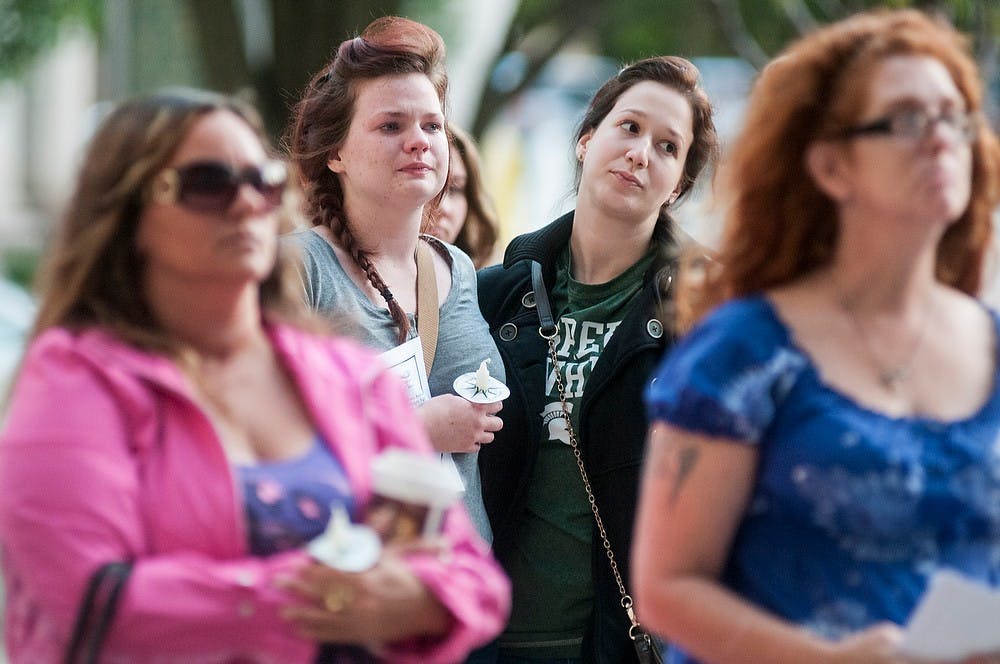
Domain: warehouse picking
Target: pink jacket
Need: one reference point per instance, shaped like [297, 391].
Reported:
[105, 456]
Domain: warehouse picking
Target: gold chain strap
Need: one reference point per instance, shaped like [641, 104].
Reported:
[626, 598]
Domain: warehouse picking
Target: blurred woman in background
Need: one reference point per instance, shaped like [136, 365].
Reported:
[465, 216]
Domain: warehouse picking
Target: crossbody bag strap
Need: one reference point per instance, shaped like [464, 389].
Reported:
[427, 304]
[547, 330]
[97, 611]
[546, 324]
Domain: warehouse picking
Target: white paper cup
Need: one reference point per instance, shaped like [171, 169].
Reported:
[411, 493]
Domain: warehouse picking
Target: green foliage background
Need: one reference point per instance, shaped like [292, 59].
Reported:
[27, 27]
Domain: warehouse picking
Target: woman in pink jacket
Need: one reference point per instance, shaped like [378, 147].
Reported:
[175, 413]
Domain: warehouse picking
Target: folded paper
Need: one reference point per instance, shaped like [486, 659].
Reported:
[956, 618]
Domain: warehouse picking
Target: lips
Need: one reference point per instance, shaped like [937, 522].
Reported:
[417, 168]
[628, 178]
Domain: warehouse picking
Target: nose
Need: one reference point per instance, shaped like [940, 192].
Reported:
[248, 200]
[638, 153]
[417, 141]
[942, 129]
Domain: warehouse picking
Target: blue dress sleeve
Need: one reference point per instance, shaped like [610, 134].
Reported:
[728, 375]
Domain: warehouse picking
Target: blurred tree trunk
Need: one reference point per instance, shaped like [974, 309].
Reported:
[304, 36]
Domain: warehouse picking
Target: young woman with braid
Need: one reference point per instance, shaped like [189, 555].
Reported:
[369, 140]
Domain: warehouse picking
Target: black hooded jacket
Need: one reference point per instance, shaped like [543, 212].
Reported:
[612, 421]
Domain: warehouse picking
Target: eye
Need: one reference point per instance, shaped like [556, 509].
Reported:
[389, 127]
[433, 126]
[631, 126]
[953, 116]
[910, 121]
[669, 147]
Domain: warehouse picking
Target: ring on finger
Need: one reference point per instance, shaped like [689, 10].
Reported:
[337, 599]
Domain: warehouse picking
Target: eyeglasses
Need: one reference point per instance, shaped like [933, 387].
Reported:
[211, 187]
[916, 124]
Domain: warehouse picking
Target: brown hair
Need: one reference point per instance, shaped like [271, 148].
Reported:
[93, 275]
[388, 46]
[677, 74]
[780, 226]
[479, 232]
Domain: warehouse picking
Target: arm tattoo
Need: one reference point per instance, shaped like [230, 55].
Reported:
[677, 463]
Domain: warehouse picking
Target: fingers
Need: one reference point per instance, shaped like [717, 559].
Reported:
[489, 408]
[323, 625]
[487, 424]
[320, 576]
[437, 545]
[332, 613]
[985, 658]
[457, 425]
[296, 585]
[492, 423]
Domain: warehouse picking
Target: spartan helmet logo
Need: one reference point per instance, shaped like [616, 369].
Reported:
[555, 421]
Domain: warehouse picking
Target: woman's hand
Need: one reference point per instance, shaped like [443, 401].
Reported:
[984, 658]
[384, 604]
[457, 425]
[880, 645]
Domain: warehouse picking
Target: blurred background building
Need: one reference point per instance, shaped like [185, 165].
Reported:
[521, 72]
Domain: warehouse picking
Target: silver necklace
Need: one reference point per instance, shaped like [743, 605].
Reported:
[890, 377]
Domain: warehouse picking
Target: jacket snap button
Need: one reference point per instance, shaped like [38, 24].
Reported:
[508, 331]
[529, 300]
[655, 328]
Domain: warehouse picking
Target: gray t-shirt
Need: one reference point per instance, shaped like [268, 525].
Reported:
[463, 336]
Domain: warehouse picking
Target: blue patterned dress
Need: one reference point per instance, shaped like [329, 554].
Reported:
[852, 510]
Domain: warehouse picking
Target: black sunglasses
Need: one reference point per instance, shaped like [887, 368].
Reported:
[211, 186]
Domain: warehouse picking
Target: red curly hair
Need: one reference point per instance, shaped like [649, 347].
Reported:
[779, 225]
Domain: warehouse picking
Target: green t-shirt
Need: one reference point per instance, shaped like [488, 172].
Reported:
[550, 564]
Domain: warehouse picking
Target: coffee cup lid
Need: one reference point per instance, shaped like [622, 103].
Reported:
[415, 478]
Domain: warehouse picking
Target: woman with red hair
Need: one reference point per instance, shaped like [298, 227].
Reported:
[824, 439]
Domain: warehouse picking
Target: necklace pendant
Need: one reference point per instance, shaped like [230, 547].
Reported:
[893, 378]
